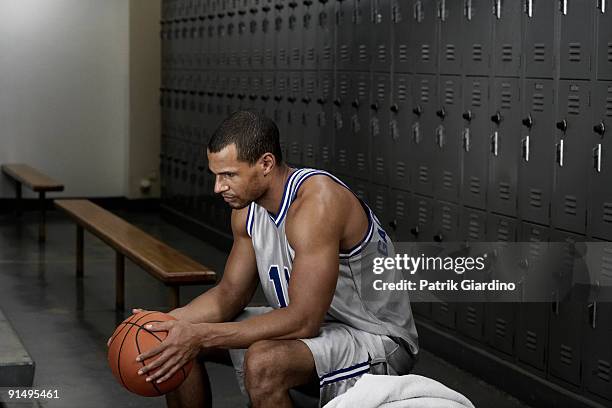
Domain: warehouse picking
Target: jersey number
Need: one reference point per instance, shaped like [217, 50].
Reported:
[275, 277]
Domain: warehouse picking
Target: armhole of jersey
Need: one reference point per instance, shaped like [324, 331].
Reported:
[249, 222]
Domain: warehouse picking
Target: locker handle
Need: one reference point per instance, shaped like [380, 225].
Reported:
[525, 143]
[321, 101]
[597, 158]
[394, 108]
[231, 13]
[374, 106]
[393, 225]
[241, 12]
[417, 111]
[555, 303]
[202, 18]
[337, 102]
[529, 8]
[230, 95]
[307, 2]
[264, 8]
[563, 7]
[220, 94]
[497, 118]
[562, 125]
[293, 4]
[265, 98]
[306, 100]
[528, 122]
[355, 104]
[442, 10]
[593, 314]
[466, 139]
[494, 143]
[210, 93]
[193, 19]
[601, 5]
[497, 9]
[467, 9]
[438, 238]
[467, 115]
[440, 136]
[415, 231]
[322, 1]
[416, 133]
[279, 6]
[291, 99]
[418, 11]
[560, 153]
[221, 15]
[441, 113]
[252, 97]
[600, 128]
[278, 98]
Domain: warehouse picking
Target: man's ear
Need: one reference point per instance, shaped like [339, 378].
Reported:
[268, 162]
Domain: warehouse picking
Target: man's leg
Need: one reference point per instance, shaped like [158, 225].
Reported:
[273, 367]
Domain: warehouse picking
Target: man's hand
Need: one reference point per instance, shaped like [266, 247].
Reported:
[178, 348]
[134, 311]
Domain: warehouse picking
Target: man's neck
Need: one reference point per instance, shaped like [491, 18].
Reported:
[271, 200]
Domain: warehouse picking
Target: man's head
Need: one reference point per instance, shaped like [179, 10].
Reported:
[242, 153]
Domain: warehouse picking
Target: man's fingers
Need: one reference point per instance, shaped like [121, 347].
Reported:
[159, 326]
[154, 351]
[175, 367]
[137, 310]
[108, 341]
[164, 370]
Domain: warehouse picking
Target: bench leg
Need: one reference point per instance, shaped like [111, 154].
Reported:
[42, 226]
[175, 297]
[119, 281]
[79, 251]
[18, 201]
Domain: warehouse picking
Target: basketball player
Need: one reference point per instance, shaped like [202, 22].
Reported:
[308, 241]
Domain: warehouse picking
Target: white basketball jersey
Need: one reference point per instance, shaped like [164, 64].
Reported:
[275, 260]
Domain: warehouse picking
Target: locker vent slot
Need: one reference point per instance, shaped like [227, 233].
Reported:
[399, 207]
[343, 86]
[400, 169]
[342, 157]
[282, 54]
[424, 91]
[363, 53]
[507, 52]
[423, 218]
[476, 95]
[574, 52]
[538, 102]
[309, 151]
[295, 55]
[474, 227]
[531, 340]
[382, 53]
[565, 354]
[344, 53]
[603, 370]
[295, 148]
[474, 185]
[606, 264]
[450, 52]
[539, 52]
[472, 316]
[506, 97]
[326, 85]
[449, 93]
[403, 53]
[380, 204]
[504, 191]
[477, 52]
[500, 327]
[381, 90]
[402, 91]
[380, 165]
[447, 180]
[310, 54]
[361, 162]
[362, 89]
[444, 307]
[573, 104]
[327, 52]
[310, 85]
[325, 154]
[535, 198]
[447, 219]
[609, 104]
[534, 250]
[607, 212]
[502, 232]
[425, 52]
[423, 174]
[570, 205]
[609, 52]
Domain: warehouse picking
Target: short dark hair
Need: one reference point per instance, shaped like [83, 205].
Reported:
[253, 134]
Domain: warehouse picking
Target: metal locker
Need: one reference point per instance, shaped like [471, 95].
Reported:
[470, 315]
[212, 49]
[450, 14]
[604, 33]
[294, 25]
[324, 120]
[475, 142]
[232, 94]
[379, 128]
[532, 327]
[447, 150]
[477, 37]
[243, 37]
[267, 94]
[361, 188]
[344, 35]
[400, 220]
[232, 41]
[281, 93]
[223, 52]
[309, 35]
[576, 42]
[362, 26]
[325, 34]
[507, 45]
[294, 127]
[504, 152]
[268, 33]
[256, 37]
[342, 123]
[178, 43]
[569, 310]
[380, 204]
[281, 34]
[600, 173]
[255, 91]
[572, 156]
[308, 120]
[401, 16]
[537, 158]
[399, 129]
[420, 228]
[424, 97]
[359, 119]
[423, 42]
[380, 35]
[539, 38]
[500, 317]
[243, 91]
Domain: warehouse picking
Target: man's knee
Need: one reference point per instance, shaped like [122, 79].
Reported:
[263, 366]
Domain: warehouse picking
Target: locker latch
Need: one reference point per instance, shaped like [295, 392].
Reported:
[494, 143]
[600, 128]
[440, 136]
[593, 314]
[467, 10]
[396, 15]
[394, 130]
[418, 11]
[563, 7]
[525, 145]
[374, 126]
[466, 139]
[529, 8]
[497, 8]
[338, 121]
[442, 13]
[321, 121]
[560, 153]
[416, 132]
[597, 158]
[355, 124]
[601, 5]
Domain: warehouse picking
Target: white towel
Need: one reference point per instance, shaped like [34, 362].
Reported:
[406, 391]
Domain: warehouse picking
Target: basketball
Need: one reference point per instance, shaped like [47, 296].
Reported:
[131, 339]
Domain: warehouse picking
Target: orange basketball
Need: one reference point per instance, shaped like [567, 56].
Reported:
[131, 339]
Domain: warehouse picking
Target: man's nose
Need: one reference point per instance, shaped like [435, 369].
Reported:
[219, 186]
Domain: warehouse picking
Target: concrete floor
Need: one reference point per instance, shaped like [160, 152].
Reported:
[64, 323]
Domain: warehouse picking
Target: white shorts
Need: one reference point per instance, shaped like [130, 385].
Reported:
[341, 354]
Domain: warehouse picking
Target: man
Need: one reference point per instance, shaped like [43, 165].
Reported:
[307, 239]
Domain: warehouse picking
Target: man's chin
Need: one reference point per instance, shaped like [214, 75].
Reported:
[237, 206]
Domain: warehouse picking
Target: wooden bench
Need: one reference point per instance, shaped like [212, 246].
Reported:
[162, 262]
[16, 365]
[38, 182]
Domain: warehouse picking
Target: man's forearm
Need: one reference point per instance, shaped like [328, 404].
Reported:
[213, 306]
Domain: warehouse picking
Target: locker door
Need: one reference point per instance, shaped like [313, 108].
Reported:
[447, 139]
[361, 188]
[537, 158]
[478, 37]
[507, 45]
[504, 146]
[422, 133]
[576, 20]
[470, 315]
[221, 36]
[423, 41]
[421, 229]
[568, 311]
[309, 35]
[281, 89]
[573, 156]
[256, 35]
[281, 34]
[379, 128]
[539, 38]
[380, 204]
[475, 135]
[450, 14]
[401, 15]
[294, 124]
[400, 222]
[325, 123]
[232, 40]
[532, 330]
[500, 317]
[604, 45]
[244, 41]
[400, 132]
[309, 120]
[359, 147]
[344, 35]
[342, 123]
[268, 32]
[361, 34]
[255, 92]
[380, 36]
[267, 95]
[325, 34]
[600, 193]
[295, 34]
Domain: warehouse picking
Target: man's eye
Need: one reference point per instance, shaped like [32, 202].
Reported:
[231, 174]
